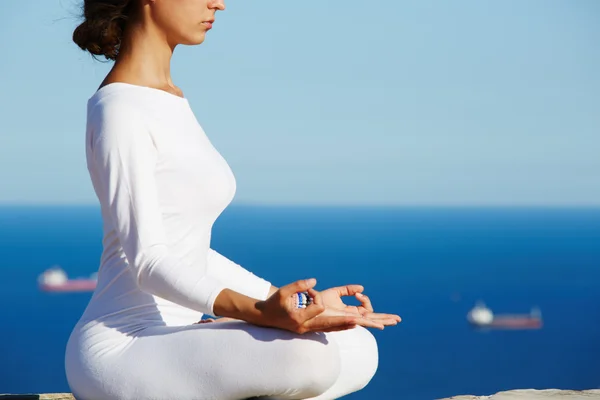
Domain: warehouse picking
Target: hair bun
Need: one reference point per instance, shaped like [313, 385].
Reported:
[102, 29]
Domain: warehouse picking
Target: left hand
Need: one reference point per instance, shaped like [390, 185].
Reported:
[222, 319]
[332, 298]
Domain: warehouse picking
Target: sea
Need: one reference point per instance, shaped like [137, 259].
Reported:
[429, 265]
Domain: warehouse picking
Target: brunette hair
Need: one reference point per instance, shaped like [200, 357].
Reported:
[103, 25]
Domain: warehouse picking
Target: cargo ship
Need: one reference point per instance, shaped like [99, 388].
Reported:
[55, 279]
[482, 317]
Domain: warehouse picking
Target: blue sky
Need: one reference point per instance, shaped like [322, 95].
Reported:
[338, 102]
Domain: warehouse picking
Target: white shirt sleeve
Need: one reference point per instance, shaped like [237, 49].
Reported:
[236, 277]
[124, 160]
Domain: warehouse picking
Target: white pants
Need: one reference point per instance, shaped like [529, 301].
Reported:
[224, 361]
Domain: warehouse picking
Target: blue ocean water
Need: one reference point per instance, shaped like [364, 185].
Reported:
[430, 265]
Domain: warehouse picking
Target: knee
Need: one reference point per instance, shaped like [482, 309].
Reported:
[317, 364]
[359, 358]
[366, 357]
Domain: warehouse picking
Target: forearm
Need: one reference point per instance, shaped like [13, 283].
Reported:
[235, 305]
[162, 274]
[236, 277]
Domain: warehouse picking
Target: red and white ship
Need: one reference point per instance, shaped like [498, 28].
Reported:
[55, 279]
[482, 317]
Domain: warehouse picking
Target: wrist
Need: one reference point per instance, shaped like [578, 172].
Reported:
[272, 290]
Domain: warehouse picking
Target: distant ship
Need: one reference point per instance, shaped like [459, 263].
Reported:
[482, 317]
[55, 279]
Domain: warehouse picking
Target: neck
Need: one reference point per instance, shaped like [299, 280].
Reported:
[145, 56]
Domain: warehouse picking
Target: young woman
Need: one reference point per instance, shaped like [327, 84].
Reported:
[161, 185]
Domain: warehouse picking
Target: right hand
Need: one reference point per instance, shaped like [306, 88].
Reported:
[279, 311]
[332, 298]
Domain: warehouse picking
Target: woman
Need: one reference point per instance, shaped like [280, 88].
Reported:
[161, 185]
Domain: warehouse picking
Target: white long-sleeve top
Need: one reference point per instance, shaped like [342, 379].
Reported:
[161, 185]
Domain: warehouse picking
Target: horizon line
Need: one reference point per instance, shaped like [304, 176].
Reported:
[343, 205]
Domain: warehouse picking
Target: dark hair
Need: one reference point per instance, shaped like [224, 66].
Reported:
[101, 31]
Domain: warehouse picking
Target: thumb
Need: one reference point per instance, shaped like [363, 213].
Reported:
[298, 286]
[315, 295]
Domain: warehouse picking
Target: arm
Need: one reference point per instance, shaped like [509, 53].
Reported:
[122, 159]
[123, 162]
[237, 278]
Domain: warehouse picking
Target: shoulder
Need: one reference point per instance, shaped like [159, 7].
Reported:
[117, 120]
[116, 110]
[109, 103]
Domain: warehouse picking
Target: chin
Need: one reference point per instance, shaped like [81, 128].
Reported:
[196, 39]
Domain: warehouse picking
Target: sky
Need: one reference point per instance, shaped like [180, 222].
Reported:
[427, 103]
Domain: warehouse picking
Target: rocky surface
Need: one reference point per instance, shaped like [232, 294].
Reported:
[49, 396]
[523, 394]
[531, 394]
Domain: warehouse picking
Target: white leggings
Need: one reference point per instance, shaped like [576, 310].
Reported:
[224, 361]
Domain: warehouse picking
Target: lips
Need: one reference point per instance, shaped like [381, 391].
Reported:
[208, 24]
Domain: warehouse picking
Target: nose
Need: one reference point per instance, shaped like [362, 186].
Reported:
[217, 5]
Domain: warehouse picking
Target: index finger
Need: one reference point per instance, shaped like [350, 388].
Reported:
[366, 302]
[349, 290]
[298, 286]
[316, 296]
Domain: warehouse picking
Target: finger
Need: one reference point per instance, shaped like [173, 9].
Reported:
[385, 321]
[349, 290]
[372, 315]
[365, 301]
[298, 286]
[327, 323]
[369, 323]
[365, 322]
[339, 328]
[352, 318]
[316, 296]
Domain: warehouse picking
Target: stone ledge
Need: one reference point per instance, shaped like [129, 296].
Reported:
[532, 394]
[49, 396]
[521, 394]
